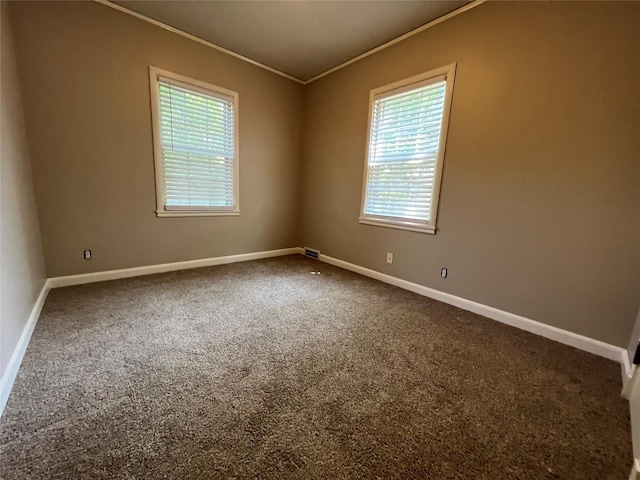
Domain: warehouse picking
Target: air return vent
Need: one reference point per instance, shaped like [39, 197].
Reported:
[312, 253]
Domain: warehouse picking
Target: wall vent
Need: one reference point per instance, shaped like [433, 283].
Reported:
[312, 253]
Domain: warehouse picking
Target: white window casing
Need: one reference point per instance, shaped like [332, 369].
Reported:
[405, 150]
[195, 140]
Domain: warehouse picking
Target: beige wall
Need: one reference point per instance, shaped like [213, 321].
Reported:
[22, 272]
[86, 83]
[540, 202]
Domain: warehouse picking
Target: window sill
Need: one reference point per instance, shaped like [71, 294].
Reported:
[399, 225]
[197, 213]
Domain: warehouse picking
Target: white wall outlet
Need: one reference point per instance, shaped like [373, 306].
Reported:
[87, 254]
[444, 272]
[389, 257]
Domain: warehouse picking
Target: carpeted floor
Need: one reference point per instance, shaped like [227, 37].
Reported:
[262, 370]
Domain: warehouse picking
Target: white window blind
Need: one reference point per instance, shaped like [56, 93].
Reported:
[405, 147]
[197, 147]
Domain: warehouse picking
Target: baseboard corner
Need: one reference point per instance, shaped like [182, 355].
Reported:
[11, 372]
[566, 337]
[83, 278]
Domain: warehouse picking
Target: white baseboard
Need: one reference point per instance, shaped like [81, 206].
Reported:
[563, 336]
[553, 333]
[628, 369]
[69, 280]
[635, 470]
[10, 373]
[9, 376]
[628, 379]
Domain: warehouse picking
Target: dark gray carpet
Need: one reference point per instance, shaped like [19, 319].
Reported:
[261, 370]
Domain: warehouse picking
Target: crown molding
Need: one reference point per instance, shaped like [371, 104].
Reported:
[171, 29]
[411, 33]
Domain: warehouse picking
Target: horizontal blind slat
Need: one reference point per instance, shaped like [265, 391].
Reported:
[177, 86]
[404, 143]
[176, 183]
[198, 146]
[173, 173]
[204, 110]
[419, 91]
[195, 158]
[186, 148]
[193, 116]
[384, 158]
[424, 106]
[409, 126]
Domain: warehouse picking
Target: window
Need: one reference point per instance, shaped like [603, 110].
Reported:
[195, 129]
[405, 151]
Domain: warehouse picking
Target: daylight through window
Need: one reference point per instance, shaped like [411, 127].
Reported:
[408, 124]
[195, 146]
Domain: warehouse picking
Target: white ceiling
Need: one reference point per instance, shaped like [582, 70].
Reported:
[302, 38]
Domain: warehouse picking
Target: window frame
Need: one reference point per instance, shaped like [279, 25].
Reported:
[203, 88]
[407, 84]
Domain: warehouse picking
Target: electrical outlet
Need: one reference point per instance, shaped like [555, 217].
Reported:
[389, 257]
[87, 254]
[444, 272]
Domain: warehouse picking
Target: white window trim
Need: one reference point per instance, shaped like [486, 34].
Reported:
[207, 88]
[449, 73]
